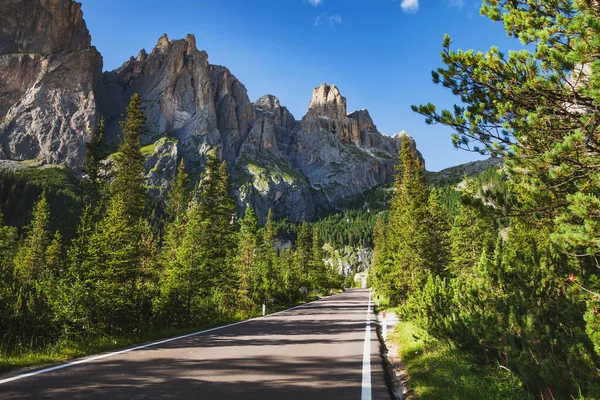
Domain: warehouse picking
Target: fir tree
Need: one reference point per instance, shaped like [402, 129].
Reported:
[95, 170]
[318, 274]
[265, 284]
[177, 206]
[247, 253]
[33, 278]
[471, 234]
[303, 252]
[114, 268]
[8, 248]
[406, 256]
[129, 180]
[30, 261]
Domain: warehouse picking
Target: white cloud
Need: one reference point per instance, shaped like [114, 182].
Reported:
[410, 6]
[315, 3]
[335, 19]
[456, 3]
[332, 20]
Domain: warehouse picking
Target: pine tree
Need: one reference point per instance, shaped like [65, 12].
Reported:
[406, 256]
[8, 249]
[93, 184]
[30, 262]
[54, 255]
[202, 275]
[303, 249]
[179, 195]
[265, 284]
[114, 269]
[472, 233]
[318, 274]
[177, 205]
[32, 277]
[247, 253]
[438, 227]
[129, 180]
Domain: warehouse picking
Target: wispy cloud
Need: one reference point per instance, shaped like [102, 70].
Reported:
[315, 3]
[410, 6]
[332, 20]
[456, 3]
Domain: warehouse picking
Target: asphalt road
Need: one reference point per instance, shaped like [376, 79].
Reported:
[316, 351]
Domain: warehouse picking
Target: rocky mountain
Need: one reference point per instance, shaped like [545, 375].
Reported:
[52, 92]
[49, 73]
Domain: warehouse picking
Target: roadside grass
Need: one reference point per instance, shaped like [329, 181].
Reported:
[65, 350]
[440, 371]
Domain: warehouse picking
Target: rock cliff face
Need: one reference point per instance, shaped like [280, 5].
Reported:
[48, 76]
[52, 90]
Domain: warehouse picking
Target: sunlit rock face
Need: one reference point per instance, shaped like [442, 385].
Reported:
[49, 74]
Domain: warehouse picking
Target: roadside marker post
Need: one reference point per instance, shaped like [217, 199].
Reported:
[384, 325]
[264, 310]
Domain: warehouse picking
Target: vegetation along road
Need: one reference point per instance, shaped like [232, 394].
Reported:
[327, 349]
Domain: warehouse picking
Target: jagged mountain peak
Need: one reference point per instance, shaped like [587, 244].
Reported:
[327, 101]
[268, 102]
[164, 43]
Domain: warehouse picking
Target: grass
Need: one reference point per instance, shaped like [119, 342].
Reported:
[440, 371]
[66, 350]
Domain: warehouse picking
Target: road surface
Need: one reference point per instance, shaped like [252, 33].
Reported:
[326, 350]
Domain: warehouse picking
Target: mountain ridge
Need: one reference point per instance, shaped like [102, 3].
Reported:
[294, 167]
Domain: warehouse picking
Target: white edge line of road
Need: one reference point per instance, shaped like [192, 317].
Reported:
[366, 392]
[144, 346]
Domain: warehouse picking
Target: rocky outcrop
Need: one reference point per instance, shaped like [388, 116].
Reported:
[201, 105]
[49, 73]
[341, 154]
[264, 176]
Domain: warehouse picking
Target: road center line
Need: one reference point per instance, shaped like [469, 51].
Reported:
[366, 369]
[87, 360]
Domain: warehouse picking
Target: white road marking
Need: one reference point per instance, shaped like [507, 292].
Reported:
[145, 346]
[366, 370]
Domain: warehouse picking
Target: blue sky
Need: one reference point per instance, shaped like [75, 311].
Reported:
[380, 53]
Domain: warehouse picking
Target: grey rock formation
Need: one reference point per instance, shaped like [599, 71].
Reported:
[48, 76]
[341, 154]
[201, 105]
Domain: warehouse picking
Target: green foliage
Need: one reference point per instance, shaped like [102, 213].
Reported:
[129, 181]
[19, 190]
[529, 304]
[350, 228]
[93, 184]
[114, 259]
[407, 249]
[247, 255]
[472, 233]
[438, 370]
[32, 276]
